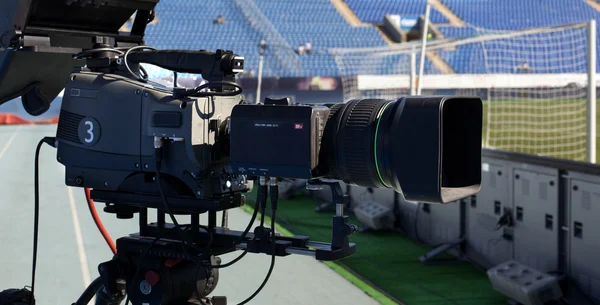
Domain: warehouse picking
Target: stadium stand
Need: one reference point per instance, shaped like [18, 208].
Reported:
[189, 24]
[375, 10]
[467, 58]
[317, 22]
[452, 31]
[519, 14]
[512, 15]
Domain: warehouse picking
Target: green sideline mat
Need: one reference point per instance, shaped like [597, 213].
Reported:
[389, 262]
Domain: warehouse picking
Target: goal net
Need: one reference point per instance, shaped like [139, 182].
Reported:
[533, 82]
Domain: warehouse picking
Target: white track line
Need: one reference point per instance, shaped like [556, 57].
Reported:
[85, 270]
[5, 148]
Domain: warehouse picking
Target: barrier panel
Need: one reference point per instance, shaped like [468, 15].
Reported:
[541, 212]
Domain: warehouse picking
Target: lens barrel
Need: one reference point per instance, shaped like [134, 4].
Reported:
[350, 134]
[427, 148]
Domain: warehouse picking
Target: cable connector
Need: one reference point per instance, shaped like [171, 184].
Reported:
[263, 193]
[179, 92]
[158, 144]
[50, 141]
[273, 192]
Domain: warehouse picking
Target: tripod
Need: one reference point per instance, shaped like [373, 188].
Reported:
[156, 266]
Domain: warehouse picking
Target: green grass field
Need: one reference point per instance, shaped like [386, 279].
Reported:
[388, 261]
[543, 127]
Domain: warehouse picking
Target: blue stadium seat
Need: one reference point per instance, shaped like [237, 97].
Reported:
[188, 24]
[452, 31]
[317, 22]
[520, 14]
[515, 15]
[375, 10]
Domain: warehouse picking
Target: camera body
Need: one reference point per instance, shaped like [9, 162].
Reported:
[427, 148]
[106, 132]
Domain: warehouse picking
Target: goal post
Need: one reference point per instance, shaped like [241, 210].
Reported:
[538, 85]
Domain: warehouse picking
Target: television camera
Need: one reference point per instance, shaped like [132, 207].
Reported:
[190, 151]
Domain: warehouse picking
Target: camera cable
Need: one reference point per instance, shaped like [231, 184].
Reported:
[274, 196]
[158, 145]
[89, 292]
[98, 221]
[36, 218]
[261, 200]
[158, 152]
[137, 49]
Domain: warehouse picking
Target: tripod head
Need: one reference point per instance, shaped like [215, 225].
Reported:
[155, 266]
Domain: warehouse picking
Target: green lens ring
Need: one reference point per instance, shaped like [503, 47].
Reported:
[375, 143]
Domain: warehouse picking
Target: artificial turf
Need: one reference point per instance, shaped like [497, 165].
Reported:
[388, 261]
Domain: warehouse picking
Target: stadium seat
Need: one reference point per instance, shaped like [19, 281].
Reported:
[519, 14]
[375, 10]
[188, 24]
[516, 15]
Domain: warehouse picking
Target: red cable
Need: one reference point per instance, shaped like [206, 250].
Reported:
[98, 222]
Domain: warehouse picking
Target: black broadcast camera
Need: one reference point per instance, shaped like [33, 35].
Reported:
[190, 151]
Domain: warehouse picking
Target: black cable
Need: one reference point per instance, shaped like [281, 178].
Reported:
[90, 292]
[174, 79]
[170, 213]
[274, 196]
[158, 157]
[263, 208]
[274, 241]
[36, 206]
[127, 64]
[196, 92]
[167, 208]
[261, 198]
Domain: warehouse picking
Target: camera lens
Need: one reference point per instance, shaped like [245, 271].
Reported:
[349, 142]
[427, 148]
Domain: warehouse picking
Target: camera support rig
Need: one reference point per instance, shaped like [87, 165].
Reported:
[151, 268]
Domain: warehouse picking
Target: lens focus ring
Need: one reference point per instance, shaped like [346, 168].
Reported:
[355, 143]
